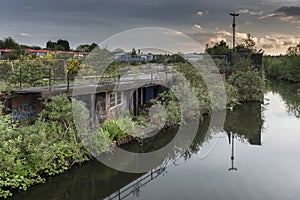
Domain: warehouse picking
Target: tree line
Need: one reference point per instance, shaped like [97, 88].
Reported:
[60, 44]
[284, 67]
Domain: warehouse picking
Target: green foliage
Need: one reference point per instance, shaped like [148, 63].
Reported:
[294, 51]
[114, 69]
[31, 153]
[169, 101]
[232, 95]
[36, 72]
[290, 94]
[126, 124]
[86, 47]
[249, 85]
[72, 67]
[114, 131]
[8, 43]
[220, 48]
[59, 45]
[283, 68]
[97, 141]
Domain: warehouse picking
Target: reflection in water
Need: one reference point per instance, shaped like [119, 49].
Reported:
[96, 181]
[232, 154]
[245, 123]
[290, 94]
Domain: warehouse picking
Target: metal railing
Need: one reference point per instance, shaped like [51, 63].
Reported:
[135, 186]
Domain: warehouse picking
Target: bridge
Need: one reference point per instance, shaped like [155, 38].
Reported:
[103, 95]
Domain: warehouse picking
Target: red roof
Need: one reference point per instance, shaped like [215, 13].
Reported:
[5, 50]
[46, 51]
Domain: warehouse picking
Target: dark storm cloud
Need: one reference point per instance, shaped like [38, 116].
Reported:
[154, 11]
[91, 20]
[286, 13]
[86, 21]
[289, 10]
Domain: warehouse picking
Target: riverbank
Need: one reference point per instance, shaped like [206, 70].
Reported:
[50, 145]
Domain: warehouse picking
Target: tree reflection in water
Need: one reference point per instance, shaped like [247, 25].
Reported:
[96, 181]
[290, 94]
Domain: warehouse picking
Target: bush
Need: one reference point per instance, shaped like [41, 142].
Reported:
[249, 85]
[283, 68]
[114, 131]
[48, 147]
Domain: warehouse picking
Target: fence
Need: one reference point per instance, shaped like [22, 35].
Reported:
[32, 73]
[48, 75]
[136, 185]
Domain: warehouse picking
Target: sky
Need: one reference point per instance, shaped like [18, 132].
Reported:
[273, 24]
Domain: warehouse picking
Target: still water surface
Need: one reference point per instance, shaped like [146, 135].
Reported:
[266, 162]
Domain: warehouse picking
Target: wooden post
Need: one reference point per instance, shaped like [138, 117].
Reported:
[49, 79]
[136, 103]
[93, 109]
[20, 78]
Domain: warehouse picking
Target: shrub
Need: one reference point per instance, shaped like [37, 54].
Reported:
[31, 153]
[249, 85]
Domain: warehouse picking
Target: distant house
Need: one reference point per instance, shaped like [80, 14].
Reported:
[4, 52]
[192, 57]
[128, 57]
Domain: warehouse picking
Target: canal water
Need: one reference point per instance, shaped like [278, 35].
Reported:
[255, 156]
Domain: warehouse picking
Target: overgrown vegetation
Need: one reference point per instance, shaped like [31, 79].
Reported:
[51, 145]
[48, 147]
[284, 67]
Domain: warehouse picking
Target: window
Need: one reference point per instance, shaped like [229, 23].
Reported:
[115, 99]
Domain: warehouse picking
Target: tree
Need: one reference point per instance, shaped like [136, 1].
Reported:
[83, 48]
[133, 52]
[92, 46]
[86, 47]
[10, 43]
[59, 45]
[50, 45]
[1, 44]
[294, 51]
[249, 43]
[220, 48]
[64, 43]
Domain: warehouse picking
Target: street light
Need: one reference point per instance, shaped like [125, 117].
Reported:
[232, 168]
[233, 27]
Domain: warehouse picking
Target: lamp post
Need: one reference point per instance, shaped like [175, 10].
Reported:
[233, 27]
[232, 168]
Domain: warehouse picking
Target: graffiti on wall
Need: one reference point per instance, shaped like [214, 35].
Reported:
[24, 111]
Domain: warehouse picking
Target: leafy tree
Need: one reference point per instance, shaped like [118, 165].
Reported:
[294, 51]
[59, 45]
[29, 154]
[10, 43]
[220, 48]
[92, 47]
[64, 43]
[249, 85]
[133, 52]
[51, 45]
[249, 43]
[1, 44]
[83, 48]
[72, 67]
[86, 47]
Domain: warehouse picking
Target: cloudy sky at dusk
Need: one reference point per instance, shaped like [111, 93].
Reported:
[274, 24]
